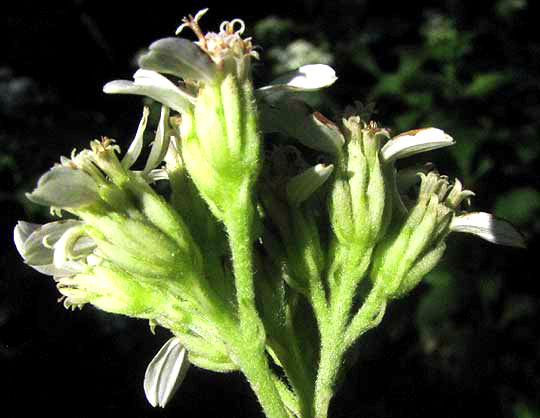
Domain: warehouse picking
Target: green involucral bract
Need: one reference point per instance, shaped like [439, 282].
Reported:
[253, 252]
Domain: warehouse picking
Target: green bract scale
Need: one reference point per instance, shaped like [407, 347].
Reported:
[276, 237]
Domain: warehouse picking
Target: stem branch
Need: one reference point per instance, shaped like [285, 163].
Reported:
[334, 343]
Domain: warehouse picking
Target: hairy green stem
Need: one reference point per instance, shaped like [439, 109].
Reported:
[338, 340]
[368, 317]
[239, 227]
[318, 301]
[333, 344]
[254, 365]
[288, 397]
[332, 351]
[297, 372]
[249, 348]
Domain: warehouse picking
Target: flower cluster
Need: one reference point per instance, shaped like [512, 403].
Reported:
[290, 251]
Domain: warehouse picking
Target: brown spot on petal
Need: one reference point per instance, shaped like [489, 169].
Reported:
[323, 119]
[411, 133]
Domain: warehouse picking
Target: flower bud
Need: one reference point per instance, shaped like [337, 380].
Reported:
[220, 137]
[111, 289]
[214, 94]
[416, 243]
[358, 202]
[226, 129]
[187, 201]
[126, 242]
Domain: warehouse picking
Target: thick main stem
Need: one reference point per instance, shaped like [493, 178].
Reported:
[254, 365]
[250, 346]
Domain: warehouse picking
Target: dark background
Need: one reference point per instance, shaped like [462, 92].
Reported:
[466, 341]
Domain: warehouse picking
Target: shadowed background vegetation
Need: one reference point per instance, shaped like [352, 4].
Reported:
[466, 341]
